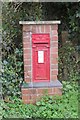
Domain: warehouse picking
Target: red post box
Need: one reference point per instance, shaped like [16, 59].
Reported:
[41, 57]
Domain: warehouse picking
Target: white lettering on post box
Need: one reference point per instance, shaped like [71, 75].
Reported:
[40, 56]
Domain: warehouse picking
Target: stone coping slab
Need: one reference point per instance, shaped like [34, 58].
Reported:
[39, 22]
[55, 83]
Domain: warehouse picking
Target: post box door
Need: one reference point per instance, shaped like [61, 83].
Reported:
[41, 62]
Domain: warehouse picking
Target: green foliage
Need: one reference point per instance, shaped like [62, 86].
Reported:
[74, 24]
[16, 109]
[60, 107]
[69, 15]
[65, 106]
[12, 13]
[68, 62]
[12, 74]
[2, 105]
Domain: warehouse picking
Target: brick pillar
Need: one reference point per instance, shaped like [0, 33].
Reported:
[33, 91]
[27, 48]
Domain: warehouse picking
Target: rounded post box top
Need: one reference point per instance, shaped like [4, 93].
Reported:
[38, 22]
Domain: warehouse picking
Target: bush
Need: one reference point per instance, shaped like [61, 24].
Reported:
[65, 106]
[60, 106]
[12, 13]
[2, 111]
[12, 76]
[68, 62]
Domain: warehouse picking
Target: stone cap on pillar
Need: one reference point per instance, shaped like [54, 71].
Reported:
[39, 22]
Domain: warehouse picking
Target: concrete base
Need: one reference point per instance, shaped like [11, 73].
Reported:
[34, 91]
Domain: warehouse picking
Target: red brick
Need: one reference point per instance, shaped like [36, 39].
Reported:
[26, 39]
[27, 68]
[54, 27]
[53, 90]
[34, 28]
[55, 55]
[27, 74]
[32, 91]
[25, 91]
[40, 91]
[54, 50]
[27, 56]
[26, 36]
[24, 33]
[26, 97]
[49, 90]
[42, 28]
[38, 29]
[26, 28]
[27, 50]
[55, 38]
[28, 80]
[54, 61]
[47, 28]
[54, 32]
[26, 45]
[58, 91]
[55, 66]
[54, 72]
[54, 44]
[44, 91]
[34, 97]
[27, 62]
[53, 77]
